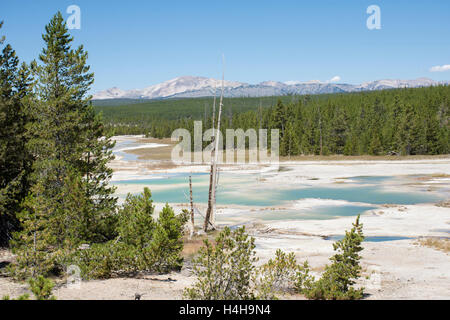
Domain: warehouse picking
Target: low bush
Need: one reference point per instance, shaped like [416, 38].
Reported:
[25, 296]
[143, 243]
[42, 288]
[277, 275]
[224, 270]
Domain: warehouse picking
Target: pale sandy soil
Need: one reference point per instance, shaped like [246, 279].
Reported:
[151, 287]
[402, 269]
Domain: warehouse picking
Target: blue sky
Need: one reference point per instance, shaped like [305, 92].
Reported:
[134, 44]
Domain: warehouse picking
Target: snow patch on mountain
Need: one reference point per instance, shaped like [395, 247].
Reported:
[168, 88]
[190, 87]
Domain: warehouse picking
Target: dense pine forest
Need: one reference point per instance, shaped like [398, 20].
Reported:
[161, 117]
[400, 121]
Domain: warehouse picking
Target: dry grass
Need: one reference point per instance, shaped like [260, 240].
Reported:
[389, 205]
[433, 176]
[160, 153]
[363, 157]
[164, 153]
[444, 204]
[193, 245]
[442, 244]
[440, 175]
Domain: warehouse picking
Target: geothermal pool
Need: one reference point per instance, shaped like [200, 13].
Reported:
[349, 196]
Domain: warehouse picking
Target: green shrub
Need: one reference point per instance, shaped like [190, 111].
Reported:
[304, 280]
[143, 244]
[224, 269]
[277, 275]
[97, 262]
[281, 275]
[164, 250]
[25, 296]
[42, 288]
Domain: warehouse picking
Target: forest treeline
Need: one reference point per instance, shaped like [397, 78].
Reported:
[401, 121]
[160, 117]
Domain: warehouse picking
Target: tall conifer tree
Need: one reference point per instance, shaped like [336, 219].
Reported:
[72, 148]
[76, 136]
[15, 160]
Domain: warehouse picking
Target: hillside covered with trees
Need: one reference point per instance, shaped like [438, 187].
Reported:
[400, 121]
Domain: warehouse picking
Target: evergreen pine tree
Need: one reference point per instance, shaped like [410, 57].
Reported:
[289, 143]
[405, 131]
[338, 279]
[72, 148]
[96, 176]
[34, 242]
[167, 241]
[15, 160]
[279, 117]
[75, 140]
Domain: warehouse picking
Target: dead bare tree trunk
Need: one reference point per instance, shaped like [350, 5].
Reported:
[192, 206]
[212, 179]
[216, 155]
[208, 210]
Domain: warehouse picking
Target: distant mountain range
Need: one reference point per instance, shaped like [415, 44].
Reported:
[190, 87]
